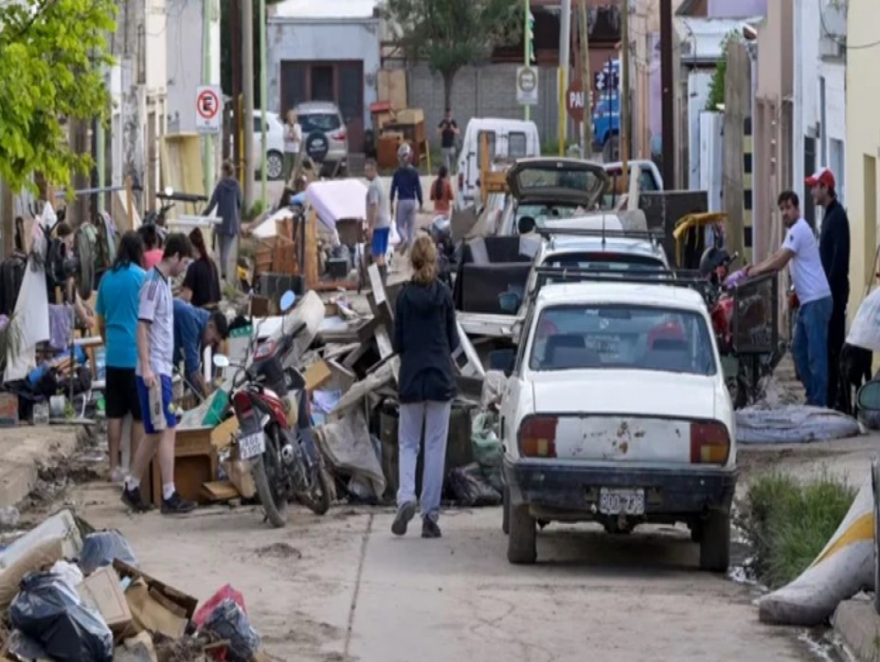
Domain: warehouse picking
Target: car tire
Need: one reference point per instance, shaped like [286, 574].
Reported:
[505, 510]
[715, 542]
[274, 166]
[522, 539]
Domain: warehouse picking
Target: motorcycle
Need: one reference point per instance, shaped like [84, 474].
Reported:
[274, 433]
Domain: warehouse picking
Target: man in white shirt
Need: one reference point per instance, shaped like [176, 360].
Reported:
[800, 251]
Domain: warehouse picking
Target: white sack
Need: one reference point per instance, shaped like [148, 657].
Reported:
[792, 424]
[347, 446]
[842, 569]
[865, 329]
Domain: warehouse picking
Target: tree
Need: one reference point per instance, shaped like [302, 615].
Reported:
[716, 85]
[52, 54]
[450, 34]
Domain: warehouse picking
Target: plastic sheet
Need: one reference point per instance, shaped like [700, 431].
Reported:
[471, 489]
[488, 451]
[100, 549]
[50, 612]
[865, 329]
[231, 624]
[792, 424]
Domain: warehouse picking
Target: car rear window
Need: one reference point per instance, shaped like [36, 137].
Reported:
[623, 262]
[623, 337]
[319, 122]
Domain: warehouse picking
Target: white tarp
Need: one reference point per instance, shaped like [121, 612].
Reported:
[29, 324]
[792, 424]
[865, 329]
[841, 570]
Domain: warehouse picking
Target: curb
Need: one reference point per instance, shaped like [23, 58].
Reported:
[22, 450]
[859, 626]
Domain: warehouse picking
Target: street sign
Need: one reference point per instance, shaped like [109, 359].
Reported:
[208, 107]
[575, 102]
[602, 80]
[527, 86]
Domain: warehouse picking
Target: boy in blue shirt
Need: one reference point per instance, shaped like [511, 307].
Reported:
[194, 329]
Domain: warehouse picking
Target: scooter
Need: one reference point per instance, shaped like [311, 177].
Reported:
[274, 433]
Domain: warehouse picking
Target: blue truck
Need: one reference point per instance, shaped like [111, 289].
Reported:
[606, 126]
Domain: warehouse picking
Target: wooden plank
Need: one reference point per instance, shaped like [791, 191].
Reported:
[219, 490]
[311, 251]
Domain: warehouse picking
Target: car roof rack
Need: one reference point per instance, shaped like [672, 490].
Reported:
[653, 236]
[672, 278]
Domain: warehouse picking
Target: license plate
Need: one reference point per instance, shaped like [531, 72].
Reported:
[616, 501]
[252, 445]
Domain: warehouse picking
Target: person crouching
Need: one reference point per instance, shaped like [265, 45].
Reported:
[425, 336]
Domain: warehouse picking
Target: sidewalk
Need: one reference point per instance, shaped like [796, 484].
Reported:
[22, 450]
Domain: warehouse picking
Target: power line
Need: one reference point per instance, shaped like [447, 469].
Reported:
[842, 42]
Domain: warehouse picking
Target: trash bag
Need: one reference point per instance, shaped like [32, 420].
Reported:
[50, 612]
[225, 593]
[101, 548]
[471, 489]
[488, 451]
[865, 329]
[231, 624]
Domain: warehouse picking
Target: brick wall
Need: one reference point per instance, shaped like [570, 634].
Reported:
[485, 91]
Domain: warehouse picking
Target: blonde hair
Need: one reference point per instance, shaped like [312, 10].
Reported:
[424, 260]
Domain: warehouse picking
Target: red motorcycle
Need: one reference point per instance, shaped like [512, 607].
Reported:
[274, 429]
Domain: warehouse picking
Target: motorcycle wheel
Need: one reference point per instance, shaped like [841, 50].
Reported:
[275, 507]
[318, 498]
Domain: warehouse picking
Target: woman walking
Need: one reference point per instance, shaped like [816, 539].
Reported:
[292, 143]
[441, 192]
[425, 336]
[227, 199]
[201, 285]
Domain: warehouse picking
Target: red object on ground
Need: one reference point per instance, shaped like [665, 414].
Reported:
[227, 592]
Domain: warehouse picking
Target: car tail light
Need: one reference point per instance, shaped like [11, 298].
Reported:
[265, 350]
[339, 135]
[537, 436]
[710, 443]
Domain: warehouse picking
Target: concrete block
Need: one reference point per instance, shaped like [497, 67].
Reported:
[859, 626]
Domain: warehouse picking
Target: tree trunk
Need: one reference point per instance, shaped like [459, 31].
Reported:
[448, 78]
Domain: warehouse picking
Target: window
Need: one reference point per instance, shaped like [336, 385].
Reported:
[319, 122]
[623, 262]
[258, 125]
[623, 337]
[517, 145]
[536, 177]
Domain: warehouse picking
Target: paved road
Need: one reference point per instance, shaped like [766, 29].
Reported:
[341, 588]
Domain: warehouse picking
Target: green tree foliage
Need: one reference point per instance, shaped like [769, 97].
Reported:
[51, 58]
[450, 34]
[716, 85]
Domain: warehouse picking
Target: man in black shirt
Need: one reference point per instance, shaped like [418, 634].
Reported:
[448, 130]
[834, 251]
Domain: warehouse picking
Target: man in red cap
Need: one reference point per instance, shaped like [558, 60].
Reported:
[834, 251]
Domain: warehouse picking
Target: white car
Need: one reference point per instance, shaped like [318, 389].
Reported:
[616, 412]
[274, 145]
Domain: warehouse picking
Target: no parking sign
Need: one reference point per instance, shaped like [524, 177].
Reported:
[209, 105]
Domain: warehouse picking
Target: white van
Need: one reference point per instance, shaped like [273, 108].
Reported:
[508, 140]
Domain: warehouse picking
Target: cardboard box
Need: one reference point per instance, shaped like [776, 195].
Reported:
[186, 603]
[102, 590]
[150, 612]
[317, 375]
[239, 474]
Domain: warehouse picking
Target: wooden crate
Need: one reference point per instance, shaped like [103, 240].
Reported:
[195, 463]
[275, 255]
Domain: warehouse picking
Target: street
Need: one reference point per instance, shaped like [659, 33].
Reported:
[342, 588]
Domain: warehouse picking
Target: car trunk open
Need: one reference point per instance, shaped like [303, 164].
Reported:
[565, 181]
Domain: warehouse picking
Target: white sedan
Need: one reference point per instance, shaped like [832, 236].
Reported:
[616, 411]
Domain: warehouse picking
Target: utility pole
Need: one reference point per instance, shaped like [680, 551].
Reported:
[668, 94]
[586, 80]
[624, 95]
[207, 139]
[237, 124]
[527, 47]
[264, 92]
[564, 60]
[247, 66]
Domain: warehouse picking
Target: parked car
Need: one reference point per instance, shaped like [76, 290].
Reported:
[274, 145]
[325, 137]
[616, 412]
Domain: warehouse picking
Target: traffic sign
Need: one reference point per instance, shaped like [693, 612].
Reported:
[605, 79]
[208, 107]
[527, 86]
[575, 101]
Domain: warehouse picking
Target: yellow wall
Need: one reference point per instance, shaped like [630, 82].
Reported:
[862, 145]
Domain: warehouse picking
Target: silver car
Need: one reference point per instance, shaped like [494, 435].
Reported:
[325, 137]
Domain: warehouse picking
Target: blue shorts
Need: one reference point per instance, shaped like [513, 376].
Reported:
[380, 241]
[156, 406]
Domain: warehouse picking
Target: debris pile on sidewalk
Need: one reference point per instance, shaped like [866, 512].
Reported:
[68, 592]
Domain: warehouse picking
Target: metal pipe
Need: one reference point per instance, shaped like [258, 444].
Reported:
[564, 60]
[264, 92]
[207, 139]
[624, 96]
[100, 160]
[247, 71]
[668, 94]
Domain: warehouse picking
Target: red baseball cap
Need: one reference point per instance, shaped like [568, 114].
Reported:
[823, 176]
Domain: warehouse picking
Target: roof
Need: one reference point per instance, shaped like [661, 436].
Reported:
[307, 107]
[322, 9]
[641, 294]
[702, 38]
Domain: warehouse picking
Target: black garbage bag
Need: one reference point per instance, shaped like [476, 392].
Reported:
[49, 611]
[99, 550]
[471, 489]
[231, 624]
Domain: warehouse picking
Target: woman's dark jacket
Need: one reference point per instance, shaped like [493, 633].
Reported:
[425, 335]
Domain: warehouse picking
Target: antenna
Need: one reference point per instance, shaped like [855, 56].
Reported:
[603, 230]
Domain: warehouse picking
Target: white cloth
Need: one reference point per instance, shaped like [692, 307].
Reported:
[292, 138]
[807, 274]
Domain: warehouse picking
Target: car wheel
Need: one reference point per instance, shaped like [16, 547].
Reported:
[715, 542]
[274, 165]
[522, 538]
[505, 510]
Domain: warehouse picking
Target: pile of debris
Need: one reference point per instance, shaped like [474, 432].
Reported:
[68, 592]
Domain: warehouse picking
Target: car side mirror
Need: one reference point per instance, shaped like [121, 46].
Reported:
[503, 360]
[869, 397]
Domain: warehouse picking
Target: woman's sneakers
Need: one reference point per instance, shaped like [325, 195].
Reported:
[175, 505]
[405, 512]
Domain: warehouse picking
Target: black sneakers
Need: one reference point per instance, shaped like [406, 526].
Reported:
[176, 505]
[404, 514]
[430, 528]
[132, 498]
